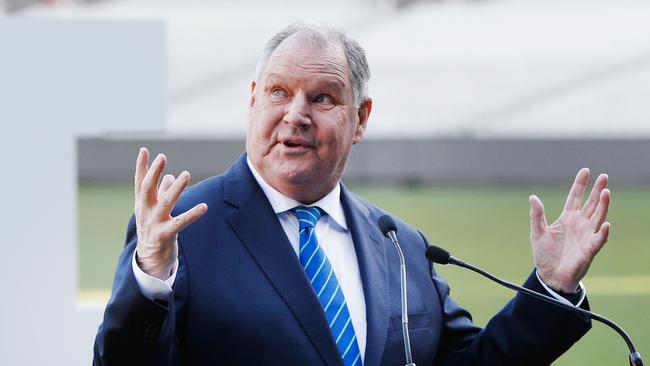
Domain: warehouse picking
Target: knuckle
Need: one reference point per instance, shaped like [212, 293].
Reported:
[177, 220]
[140, 199]
[165, 201]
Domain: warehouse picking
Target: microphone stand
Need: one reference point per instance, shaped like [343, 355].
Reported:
[389, 229]
[405, 320]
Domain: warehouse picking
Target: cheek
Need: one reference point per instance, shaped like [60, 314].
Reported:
[336, 141]
[262, 124]
[346, 132]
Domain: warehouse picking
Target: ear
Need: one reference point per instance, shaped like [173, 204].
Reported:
[363, 113]
[251, 100]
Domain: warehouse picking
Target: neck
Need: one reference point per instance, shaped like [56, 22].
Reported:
[305, 192]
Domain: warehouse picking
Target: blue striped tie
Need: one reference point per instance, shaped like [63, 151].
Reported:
[321, 275]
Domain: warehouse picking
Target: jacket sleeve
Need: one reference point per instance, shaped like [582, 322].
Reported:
[525, 332]
[136, 330]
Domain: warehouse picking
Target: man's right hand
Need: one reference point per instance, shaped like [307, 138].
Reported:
[157, 247]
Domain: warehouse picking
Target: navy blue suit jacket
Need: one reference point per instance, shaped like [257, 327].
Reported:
[241, 297]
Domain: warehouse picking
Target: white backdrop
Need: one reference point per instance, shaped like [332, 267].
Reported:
[60, 79]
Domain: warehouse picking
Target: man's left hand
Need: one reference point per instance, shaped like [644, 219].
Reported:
[564, 250]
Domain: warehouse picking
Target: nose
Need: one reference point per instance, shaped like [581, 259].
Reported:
[297, 112]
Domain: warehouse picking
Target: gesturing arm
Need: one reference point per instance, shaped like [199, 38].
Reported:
[527, 331]
[139, 330]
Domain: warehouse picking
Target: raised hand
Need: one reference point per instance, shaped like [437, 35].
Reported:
[564, 250]
[157, 247]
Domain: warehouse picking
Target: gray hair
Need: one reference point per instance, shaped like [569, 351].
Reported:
[318, 34]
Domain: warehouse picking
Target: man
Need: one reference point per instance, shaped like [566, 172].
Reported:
[275, 262]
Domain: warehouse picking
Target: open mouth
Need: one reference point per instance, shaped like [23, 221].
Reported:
[295, 143]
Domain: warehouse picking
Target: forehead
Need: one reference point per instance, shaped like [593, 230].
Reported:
[301, 59]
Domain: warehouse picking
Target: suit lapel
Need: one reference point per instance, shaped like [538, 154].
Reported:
[371, 254]
[259, 229]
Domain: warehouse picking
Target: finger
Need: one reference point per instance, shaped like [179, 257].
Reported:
[537, 218]
[141, 167]
[600, 214]
[181, 221]
[594, 196]
[601, 238]
[577, 190]
[150, 182]
[165, 183]
[167, 200]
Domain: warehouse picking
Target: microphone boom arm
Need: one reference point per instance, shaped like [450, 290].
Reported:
[635, 357]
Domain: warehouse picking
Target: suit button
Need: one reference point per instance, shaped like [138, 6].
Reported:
[150, 332]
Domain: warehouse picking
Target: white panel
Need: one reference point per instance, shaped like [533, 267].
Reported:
[60, 79]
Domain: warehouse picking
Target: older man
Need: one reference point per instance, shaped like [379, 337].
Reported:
[276, 263]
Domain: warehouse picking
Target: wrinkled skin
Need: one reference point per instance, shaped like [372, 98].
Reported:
[564, 250]
[302, 121]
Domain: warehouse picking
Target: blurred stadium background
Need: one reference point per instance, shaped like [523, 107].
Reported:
[477, 104]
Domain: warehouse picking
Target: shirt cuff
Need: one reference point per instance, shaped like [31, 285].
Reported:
[581, 289]
[151, 287]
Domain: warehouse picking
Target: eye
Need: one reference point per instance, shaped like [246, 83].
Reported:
[278, 92]
[324, 99]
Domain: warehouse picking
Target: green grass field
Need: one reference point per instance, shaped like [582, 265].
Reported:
[486, 226]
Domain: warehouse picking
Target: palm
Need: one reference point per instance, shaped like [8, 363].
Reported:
[157, 248]
[564, 250]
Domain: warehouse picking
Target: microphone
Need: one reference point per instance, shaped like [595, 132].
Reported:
[389, 229]
[441, 256]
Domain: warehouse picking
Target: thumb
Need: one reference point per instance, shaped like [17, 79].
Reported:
[537, 218]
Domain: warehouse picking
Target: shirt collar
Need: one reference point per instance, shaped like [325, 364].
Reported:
[331, 203]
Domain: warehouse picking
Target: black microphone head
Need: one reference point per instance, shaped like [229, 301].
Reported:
[386, 225]
[437, 255]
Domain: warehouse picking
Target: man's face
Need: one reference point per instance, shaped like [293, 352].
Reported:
[302, 120]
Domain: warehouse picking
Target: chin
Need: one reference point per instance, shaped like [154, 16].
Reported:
[296, 174]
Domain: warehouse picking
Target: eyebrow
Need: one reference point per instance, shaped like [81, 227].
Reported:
[336, 85]
[331, 83]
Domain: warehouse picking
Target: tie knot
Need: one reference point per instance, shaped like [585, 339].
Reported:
[307, 216]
